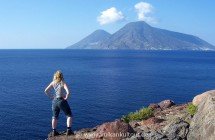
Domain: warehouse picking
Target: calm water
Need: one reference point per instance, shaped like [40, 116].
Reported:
[105, 85]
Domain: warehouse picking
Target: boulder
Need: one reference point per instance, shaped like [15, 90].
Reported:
[202, 126]
[116, 130]
[177, 130]
[166, 104]
[197, 99]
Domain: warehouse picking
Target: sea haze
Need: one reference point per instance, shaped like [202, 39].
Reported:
[105, 85]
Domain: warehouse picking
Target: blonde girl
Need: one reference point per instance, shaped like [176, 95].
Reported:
[59, 101]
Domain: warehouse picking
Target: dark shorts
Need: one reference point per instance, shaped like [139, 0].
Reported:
[60, 104]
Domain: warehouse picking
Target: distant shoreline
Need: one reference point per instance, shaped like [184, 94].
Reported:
[127, 50]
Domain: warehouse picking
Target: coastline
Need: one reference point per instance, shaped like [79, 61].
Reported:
[169, 121]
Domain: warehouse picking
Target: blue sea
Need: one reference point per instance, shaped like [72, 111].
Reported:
[105, 85]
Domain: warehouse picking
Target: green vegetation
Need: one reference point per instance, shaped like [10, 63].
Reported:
[142, 114]
[191, 109]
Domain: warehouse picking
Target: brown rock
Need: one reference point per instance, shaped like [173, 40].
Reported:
[202, 126]
[151, 121]
[197, 99]
[166, 104]
[154, 106]
[116, 130]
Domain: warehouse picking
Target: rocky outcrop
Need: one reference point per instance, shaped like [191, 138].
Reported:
[199, 98]
[115, 130]
[156, 127]
[169, 122]
[202, 126]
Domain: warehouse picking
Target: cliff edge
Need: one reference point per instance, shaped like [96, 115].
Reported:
[163, 121]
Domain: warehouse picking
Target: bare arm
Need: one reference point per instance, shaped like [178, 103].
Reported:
[67, 91]
[47, 91]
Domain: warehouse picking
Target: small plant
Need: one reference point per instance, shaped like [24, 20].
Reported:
[191, 109]
[142, 114]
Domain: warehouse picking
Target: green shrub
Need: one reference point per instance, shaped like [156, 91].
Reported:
[191, 109]
[142, 114]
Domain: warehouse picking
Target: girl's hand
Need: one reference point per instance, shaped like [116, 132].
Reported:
[64, 97]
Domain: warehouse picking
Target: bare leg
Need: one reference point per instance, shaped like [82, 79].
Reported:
[54, 123]
[69, 121]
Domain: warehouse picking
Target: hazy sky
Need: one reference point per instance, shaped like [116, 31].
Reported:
[59, 23]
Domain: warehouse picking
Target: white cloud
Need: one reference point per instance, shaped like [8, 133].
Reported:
[110, 15]
[144, 11]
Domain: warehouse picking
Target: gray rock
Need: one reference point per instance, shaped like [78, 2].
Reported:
[135, 137]
[166, 104]
[177, 130]
[198, 98]
[153, 135]
[202, 126]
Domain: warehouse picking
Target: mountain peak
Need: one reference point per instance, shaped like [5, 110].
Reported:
[92, 40]
[137, 26]
[101, 31]
[138, 23]
[142, 36]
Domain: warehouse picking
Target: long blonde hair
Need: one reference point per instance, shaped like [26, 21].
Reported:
[58, 76]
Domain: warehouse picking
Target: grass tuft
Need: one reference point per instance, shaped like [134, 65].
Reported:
[191, 109]
[141, 114]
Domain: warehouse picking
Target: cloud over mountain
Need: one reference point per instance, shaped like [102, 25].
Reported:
[144, 11]
[110, 15]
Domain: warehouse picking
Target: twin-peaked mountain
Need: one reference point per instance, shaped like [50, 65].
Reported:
[141, 36]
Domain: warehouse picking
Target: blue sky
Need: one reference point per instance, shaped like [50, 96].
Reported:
[44, 24]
